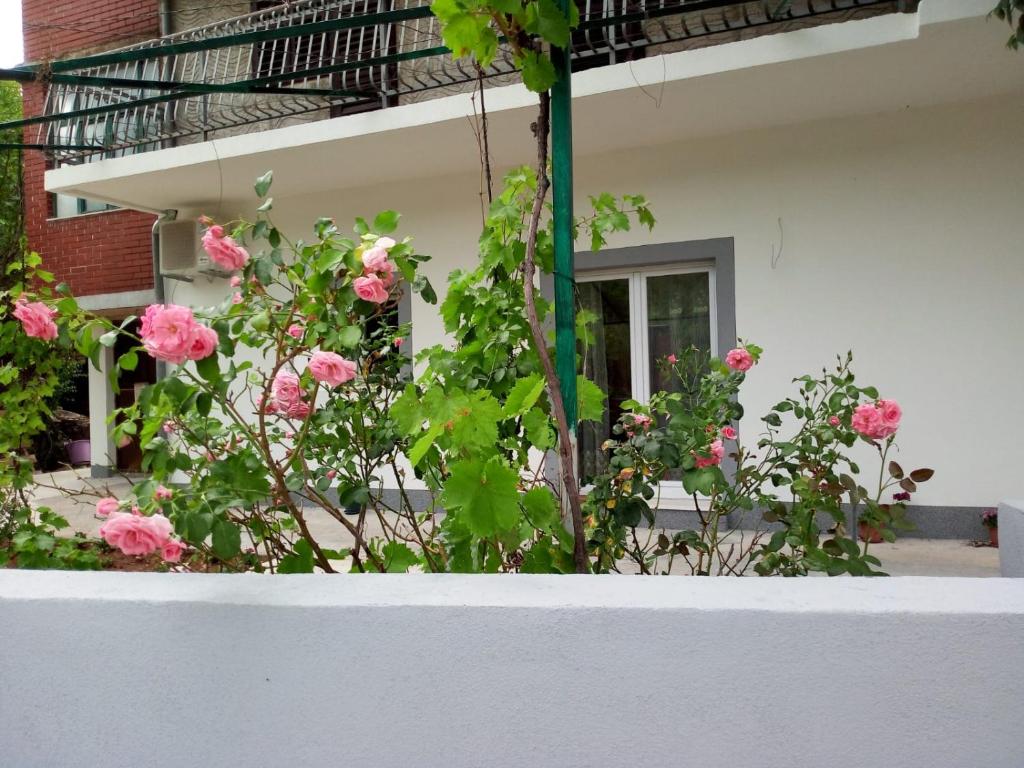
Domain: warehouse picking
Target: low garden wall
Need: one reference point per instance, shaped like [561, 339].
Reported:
[117, 669]
[1011, 539]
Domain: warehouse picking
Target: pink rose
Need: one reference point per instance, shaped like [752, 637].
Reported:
[717, 451]
[237, 298]
[399, 341]
[834, 421]
[172, 550]
[331, 474]
[287, 389]
[296, 331]
[891, 414]
[672, 359]
[162, 493]
[331, 369]
[205, 343]
[223, 250]
[739, 359]
[384, 242]
[169, 427]
[136, 534]
[106, 506]
[376, 260]
[36, 319]
[729, 432]
[169, 332]
[289, 435]
[299, 410]
[371, 288]
[868, 421]
[235, 281]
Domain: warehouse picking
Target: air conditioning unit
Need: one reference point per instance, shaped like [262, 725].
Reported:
[181, 251]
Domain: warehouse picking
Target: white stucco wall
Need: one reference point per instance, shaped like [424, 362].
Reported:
[161, 670]
[900, 244]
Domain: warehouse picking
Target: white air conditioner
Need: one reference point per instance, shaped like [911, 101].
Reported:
[182, 253]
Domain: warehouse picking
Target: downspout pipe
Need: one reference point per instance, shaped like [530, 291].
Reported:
[159, 294]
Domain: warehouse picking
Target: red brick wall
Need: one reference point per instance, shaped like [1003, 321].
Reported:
[101, 252]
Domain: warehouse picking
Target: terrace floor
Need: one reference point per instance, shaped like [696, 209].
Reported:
[905, 557]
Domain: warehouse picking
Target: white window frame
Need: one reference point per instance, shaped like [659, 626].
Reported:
[671, 494]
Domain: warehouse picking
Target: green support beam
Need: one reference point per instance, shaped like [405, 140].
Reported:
[564, 220]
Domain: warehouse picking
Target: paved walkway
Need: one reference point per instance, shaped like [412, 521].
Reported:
[905, 557]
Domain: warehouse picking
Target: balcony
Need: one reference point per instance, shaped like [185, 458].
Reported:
[357, 56]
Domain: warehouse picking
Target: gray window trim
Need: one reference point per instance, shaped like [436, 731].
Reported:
[719, 252]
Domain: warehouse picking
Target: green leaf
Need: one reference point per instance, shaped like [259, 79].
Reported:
[420, 448]
[109, 338]
[129, 361]
[524, 395]
[591, 399]
[545, 18]
[267, 205]
[227, 539]
[386, 222]
[204, 403]
[350, 336]
[263, 183]
[538, 429]
[398, 558]
[485, 496]
[300, 560]
[208, 367]
[538, 71]
[541, 508]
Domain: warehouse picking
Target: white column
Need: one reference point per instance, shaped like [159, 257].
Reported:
[101, 405]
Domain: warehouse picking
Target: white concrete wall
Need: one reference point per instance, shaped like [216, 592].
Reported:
[901, 244]
[156, 670]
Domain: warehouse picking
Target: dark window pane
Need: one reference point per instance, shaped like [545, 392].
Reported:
[606, 362]
[678, 317]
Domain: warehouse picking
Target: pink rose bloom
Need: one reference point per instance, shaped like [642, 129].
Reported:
[36, 319]
[289, 435]
[172, 550]
[867, 420]
[399, 341]
[717, 451]
[331, 369]
[298, 410]
[205, 342]
[371, 288]
[223, 250]
[235, 281]
[162, 493]
[286, 389]
[672, 359]
[136, 534]
[739, 359]
[891, 414]
[236, 299]
[729, 432]
[834, 421]
[376, 260]
[296, 331]
[169, 332]
[384, 242]
[106, 506]
[169, 426]
[331, 474]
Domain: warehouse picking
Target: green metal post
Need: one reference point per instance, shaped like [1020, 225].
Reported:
[561, 178]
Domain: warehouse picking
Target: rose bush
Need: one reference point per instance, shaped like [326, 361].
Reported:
[781, 507]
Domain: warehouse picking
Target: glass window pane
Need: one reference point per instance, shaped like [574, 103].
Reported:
[606, 362]
[678, 317]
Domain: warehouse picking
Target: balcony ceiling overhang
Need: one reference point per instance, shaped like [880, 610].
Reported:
[945, 53]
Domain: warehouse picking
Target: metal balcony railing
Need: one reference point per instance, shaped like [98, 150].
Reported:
[376, 54]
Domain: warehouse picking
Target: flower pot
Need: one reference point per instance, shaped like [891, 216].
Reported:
[79, 452]
[993, 537]
[869, 534]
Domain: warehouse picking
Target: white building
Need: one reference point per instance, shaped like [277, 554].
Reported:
[852, 184]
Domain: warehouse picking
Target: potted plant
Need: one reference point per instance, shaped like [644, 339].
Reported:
[990, 519]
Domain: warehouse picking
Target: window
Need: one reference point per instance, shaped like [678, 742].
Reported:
[641, 316]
